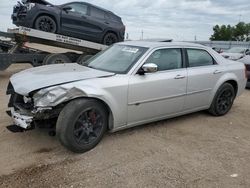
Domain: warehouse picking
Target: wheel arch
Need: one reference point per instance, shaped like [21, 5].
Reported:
[234, 84]
[110, 31]
[46, 14]
[104, 103]
[227, 78]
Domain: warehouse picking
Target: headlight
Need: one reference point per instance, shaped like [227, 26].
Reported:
[26, 99]
[30, 6]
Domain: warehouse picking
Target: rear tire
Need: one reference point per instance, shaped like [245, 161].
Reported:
[109, 39]
[223, 100]
[46, 23]
[56, 59]
[82, 124]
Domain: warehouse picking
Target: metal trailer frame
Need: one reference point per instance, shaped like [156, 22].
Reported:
[32, 46]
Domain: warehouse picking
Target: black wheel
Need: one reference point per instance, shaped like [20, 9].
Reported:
[109, 39]
[223, 100]
[83, 58]
[56, 59]
[81, 125]
[45, 23]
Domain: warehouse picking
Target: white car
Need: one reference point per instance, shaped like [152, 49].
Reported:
[129, 84]
[236, 53]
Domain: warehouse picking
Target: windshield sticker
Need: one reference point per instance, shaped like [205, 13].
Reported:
[131, 50]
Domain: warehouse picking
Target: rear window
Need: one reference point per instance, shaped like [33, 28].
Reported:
[197, 58]
[97, 13]
[110, 16]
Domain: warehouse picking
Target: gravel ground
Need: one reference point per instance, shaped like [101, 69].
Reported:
[195, 150]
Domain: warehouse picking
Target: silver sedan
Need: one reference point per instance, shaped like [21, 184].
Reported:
[129, 84]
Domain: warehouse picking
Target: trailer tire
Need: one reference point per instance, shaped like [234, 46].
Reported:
[56, 59]
[83, 58]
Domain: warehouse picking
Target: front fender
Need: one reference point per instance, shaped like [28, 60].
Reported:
[115, 100]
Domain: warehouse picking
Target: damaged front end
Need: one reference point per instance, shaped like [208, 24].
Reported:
[41, 108]
[21, 10]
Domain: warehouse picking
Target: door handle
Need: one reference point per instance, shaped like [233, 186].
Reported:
[179, 77]
[217, 72]
[84, 17]
[106, 22]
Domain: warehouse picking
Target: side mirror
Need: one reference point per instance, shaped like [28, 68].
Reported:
[148, 68]
[67, 8]
[248, 53]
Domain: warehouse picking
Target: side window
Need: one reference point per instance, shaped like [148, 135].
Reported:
[166, 59]
[197, 58]
[97, 13]
[78, 8]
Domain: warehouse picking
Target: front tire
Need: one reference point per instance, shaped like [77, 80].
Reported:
[46, 23]
[223, 100]
[82, 124]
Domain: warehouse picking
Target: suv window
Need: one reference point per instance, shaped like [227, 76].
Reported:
[97, 13]
[197, 58]
[109, 16]
[78, 8]
[166, 59]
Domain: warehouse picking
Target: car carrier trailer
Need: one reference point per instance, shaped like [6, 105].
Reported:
[42, 48]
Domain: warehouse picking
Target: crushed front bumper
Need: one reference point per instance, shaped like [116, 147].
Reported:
[20, 120]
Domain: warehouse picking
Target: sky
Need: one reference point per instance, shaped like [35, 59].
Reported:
[175, 19]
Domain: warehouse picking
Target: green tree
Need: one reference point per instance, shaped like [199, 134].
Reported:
[239, 32]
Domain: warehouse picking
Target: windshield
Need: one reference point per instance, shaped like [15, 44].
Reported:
[117, 58]
[236, 50]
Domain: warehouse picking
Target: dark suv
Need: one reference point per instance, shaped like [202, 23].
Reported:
[75, 19]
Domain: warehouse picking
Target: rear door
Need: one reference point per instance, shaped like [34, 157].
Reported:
[203, 74]
[77, 20]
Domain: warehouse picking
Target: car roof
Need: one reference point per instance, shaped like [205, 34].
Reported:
[149, 44]
[103, 9]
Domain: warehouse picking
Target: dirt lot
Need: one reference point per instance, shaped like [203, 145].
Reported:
[196, 150]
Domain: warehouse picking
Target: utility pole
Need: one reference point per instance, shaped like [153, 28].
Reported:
[142, 34]
[240, 18]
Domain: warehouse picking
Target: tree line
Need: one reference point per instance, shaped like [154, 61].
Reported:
[239, 32]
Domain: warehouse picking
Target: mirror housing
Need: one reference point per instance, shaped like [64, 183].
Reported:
[66, 8]
[150, 68]
[248, 53]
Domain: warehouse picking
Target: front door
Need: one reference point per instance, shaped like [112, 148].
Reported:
[156, 95]
[76, 20]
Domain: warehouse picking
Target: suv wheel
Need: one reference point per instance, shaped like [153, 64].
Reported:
[109, 39]
[46, 23]
[82, 124]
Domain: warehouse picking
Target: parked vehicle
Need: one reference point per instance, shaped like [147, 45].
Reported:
[218, 50]
[246, 61]
[128, 84]
[236, 53]
[76, 19]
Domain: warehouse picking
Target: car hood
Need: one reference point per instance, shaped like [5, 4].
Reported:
[45, 76]
[232, 56]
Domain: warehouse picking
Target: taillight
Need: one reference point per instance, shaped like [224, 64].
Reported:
[247, 67]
